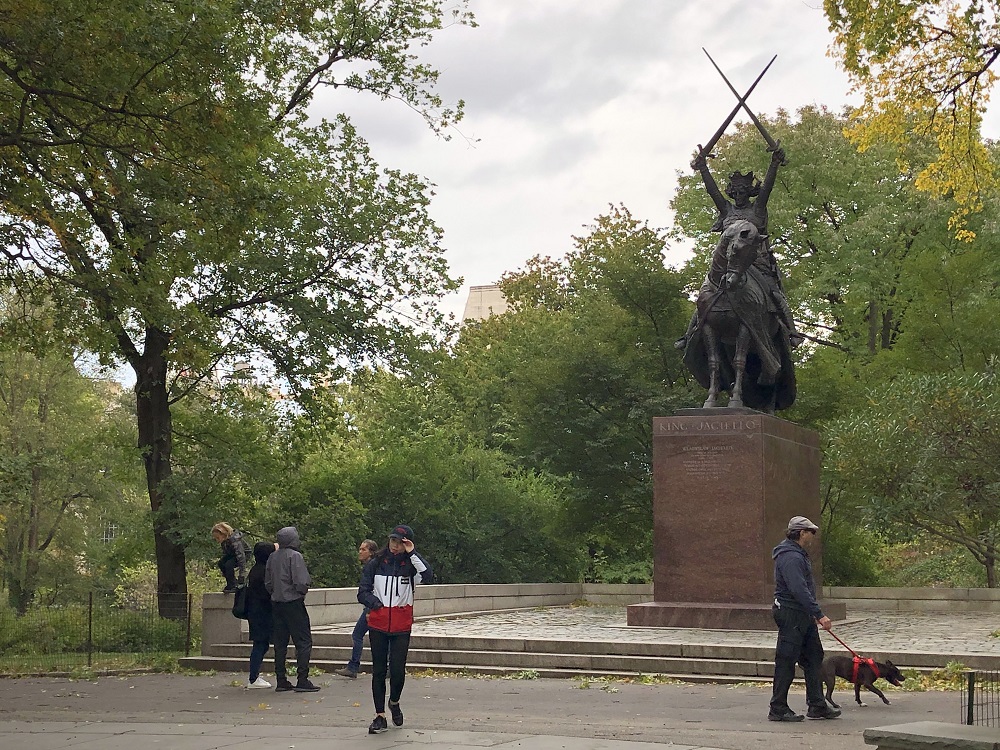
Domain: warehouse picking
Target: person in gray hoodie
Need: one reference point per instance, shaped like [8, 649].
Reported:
[287, 581]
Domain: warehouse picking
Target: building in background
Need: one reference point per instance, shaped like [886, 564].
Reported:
[483, 302]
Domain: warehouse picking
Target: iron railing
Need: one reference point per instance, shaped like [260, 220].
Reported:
[981, 698]
[103, 632]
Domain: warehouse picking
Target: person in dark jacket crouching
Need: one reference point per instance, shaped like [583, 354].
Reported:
[287, 581]
[797, 614]
[386, 590]
[259, 613]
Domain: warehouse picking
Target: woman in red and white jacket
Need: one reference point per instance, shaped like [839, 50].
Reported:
[387, 591]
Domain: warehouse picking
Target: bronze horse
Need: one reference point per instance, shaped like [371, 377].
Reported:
[740, 345]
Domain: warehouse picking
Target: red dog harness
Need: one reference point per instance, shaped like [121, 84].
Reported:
[858, 661]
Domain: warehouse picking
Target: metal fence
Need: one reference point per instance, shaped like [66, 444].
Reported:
[104, 632]
[981, 698]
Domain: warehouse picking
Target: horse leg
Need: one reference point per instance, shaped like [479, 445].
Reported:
[740, 364]
[712, 351]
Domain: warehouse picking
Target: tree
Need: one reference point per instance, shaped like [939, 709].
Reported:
[922, 456]
[478, 516]
[927, 68]
[569, 379]
[58, 450]
[161, 178]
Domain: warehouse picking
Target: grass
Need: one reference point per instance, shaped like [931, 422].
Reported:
[75, 664]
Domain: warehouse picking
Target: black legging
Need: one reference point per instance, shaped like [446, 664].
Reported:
[388, 654]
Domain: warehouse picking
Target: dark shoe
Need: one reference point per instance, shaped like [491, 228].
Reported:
[229, 590]
[397, 714]
[304, 686]
[345, 672]
[378, 726]
[283, 686]
[823, 713]
[789, 715]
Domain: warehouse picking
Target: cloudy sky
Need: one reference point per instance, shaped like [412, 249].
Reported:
[572, 105]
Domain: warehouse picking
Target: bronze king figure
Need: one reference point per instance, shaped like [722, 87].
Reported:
[742, 332]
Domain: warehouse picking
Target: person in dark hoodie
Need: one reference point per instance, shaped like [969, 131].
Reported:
[287, 581]
[386, 590]
[797, 615]
[259, 613]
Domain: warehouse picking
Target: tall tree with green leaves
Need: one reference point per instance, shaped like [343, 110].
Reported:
[162, 179]
[60, 448]
[921, 457]
[925, 67]
[570, 378]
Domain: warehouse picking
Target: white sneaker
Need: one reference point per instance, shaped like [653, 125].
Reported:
[260, 682]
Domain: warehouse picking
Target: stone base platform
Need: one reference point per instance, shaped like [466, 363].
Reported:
[713, 616]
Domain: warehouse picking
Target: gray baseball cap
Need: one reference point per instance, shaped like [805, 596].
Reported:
[801, 522]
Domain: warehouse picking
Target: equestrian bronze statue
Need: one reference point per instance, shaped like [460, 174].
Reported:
[742, 333]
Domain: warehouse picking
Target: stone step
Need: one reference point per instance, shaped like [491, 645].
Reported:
[586, 663]
[704, 650]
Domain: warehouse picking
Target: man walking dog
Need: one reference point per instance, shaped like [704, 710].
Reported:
[797, 615]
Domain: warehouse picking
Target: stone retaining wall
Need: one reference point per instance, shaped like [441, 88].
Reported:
[867, 599]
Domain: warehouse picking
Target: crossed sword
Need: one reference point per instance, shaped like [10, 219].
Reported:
[772, 144]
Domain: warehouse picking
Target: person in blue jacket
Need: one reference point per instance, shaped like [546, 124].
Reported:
[366, 550]
[386, 590]
[797, 614]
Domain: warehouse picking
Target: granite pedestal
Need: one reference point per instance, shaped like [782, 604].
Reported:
[726, 481]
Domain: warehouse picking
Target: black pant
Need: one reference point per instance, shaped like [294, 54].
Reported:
[388, 654]
[291, 619]
[798, 641]
[228, 567]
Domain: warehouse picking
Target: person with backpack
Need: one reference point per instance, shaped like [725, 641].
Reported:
[287, 580]
[386, 590]
[233, 562]
[258, 614]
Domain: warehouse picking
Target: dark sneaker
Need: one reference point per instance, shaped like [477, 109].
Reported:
[345, 672]
[283, 686]
[397, 714]
[378, 726]
[788, 715]
[304, 686]
[826, 712]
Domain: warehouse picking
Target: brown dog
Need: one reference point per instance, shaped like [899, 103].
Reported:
[843, 666]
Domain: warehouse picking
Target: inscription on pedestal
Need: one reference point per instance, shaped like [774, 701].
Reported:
[724, 487]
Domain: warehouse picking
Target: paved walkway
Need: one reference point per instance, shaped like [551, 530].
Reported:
[50, 735]
[938, 632]
[213, 712]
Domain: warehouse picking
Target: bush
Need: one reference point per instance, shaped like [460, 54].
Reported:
[851, 557]
[54, 630]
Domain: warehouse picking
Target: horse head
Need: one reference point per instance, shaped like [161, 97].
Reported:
[740, 242]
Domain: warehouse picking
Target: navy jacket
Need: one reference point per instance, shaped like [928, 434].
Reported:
[793, 579]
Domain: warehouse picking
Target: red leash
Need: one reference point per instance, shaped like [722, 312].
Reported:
[853, 652]
[858, 660]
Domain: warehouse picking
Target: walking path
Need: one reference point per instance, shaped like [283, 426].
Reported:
[213, 711]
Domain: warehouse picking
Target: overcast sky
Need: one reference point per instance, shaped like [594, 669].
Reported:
[577, 104]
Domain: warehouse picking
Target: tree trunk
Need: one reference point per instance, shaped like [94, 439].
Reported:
[155, 442]
[991, 569]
